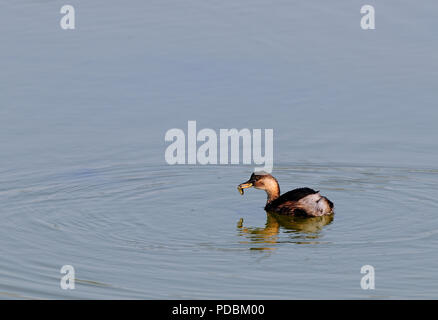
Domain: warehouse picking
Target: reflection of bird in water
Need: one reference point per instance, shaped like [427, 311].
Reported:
[301, 229]
[298, 202]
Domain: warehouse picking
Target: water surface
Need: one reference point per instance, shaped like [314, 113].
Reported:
[83, 180]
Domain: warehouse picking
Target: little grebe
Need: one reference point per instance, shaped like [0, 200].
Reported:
[298, 202]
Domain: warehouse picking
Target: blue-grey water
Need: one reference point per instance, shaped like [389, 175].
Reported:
[84, 182]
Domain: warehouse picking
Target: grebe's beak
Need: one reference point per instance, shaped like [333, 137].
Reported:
[244, 185]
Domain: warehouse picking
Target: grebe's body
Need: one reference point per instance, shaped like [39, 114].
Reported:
[298, 202]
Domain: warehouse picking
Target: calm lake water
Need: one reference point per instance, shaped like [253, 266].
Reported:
[84, 182]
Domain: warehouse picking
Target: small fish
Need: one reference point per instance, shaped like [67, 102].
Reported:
[242, 186]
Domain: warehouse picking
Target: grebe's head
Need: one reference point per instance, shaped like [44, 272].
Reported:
[260, 180]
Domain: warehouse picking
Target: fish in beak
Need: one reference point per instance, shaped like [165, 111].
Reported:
[244, 185]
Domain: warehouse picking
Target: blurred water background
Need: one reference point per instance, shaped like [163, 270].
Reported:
[84, 182]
